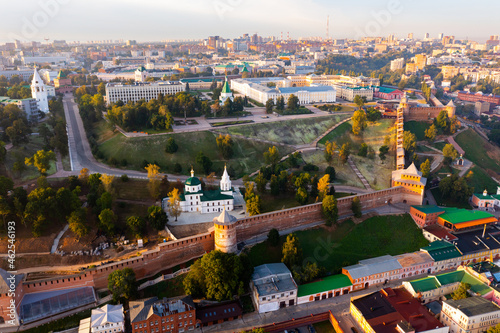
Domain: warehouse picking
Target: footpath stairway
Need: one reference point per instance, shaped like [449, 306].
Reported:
[358, 173]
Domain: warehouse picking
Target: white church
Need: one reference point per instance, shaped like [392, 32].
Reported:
[39, 92]
[194, 199]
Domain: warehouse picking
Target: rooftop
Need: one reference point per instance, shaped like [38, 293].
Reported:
[107, 314]
[459, 215]
[143, 309]
[219, 311]
[441, 250]
[373, 266]
[473, 306]
[331, 282]
[273, 278]
[428, 209]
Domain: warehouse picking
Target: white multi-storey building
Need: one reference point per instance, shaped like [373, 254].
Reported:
[134, 92]
[470, 315]
[397, 64]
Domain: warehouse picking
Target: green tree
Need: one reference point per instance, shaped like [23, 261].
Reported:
[273, 237]
[331, 171]
[425, 168]
[344, 153]
[156, 217]
[136, 225]
[205, 162]
[330, 150]
[225, 145]
[292, 252]
[275, 185]
[450, 154]
[461, 292]
[261, 182]
[293, 103]
[383, 150]
[6, 185]
[171, 146]
[431, 133]
[41, 160]
[329, 209]
[218, 276]
[359, 101]
[280, 103]
[494, 329]
[356, 207]
[409, 142]
[358, 122]
[363, 150]
[122, 284]
[107, 220]
[301, 196]
[77, 222]
[272, 156]
[269, 106]
[253, 205]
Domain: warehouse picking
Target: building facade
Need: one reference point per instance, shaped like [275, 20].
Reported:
[154, 315]
[123, 92]
[39, 92]
[470, 315]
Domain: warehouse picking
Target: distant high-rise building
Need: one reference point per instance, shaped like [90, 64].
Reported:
[410, 35]
[440, 36]
[426, 36]
[130, 42]
[212, 41]
[397, 64]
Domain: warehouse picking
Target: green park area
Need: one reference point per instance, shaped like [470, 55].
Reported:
[291, 132]
[376, 172]
[16, 156]
[248, 155]
[347, 243]
[480, 151]
[418, 128]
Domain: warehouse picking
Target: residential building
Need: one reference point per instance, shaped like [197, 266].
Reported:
[415, 263]
[349, 93]
[194, 199]
[134, 92]
[387, 93]
[273, 287]
[397, 64]
[445, 255]
[373, 271]
[449, 72]
[471, 315]
[166, 315]
[219, 313]
[479, 97]
[107, 319]
[393, 311]
[28, 105]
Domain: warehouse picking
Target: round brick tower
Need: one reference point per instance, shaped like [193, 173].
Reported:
[225, 232]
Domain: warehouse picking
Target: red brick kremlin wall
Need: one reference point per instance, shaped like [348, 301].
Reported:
[171, 254]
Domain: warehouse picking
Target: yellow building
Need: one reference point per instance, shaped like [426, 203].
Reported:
[449, 72]
[411, 179]
[421, 61]
[411, 68]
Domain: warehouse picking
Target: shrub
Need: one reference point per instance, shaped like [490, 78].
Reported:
[124, 178]
[310, 167]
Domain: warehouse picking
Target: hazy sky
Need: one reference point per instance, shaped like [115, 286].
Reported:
[156, 20]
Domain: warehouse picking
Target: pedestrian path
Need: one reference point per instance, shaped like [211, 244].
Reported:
[358, 173]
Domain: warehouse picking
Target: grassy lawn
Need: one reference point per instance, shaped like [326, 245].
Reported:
[133, 189]
[168, 288]
[417, 127]
[66, 163]
[344, 173]
[378, 174]
[301, 110]
[19, 153]
[373, 135]
[324, 327]
[271, 203]
[292, 132]
[439, 145]
[447, 202]
[479, 151]
[423, 149]
[480, 180]
[248, 155]
[348, 243]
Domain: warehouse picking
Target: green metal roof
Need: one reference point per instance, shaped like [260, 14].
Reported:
[428, 209]
[331, 282]
[214, 195]
[245, 70]
[476, 285]
[61, 75]
[441, 250]
[458, 215]
[193, 181]
[226, 89]
[425, 284]
[449, 278]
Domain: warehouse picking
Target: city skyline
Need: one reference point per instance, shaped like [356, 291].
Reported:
[56, 19]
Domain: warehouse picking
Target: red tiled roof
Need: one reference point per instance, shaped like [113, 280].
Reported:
[440, 232]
